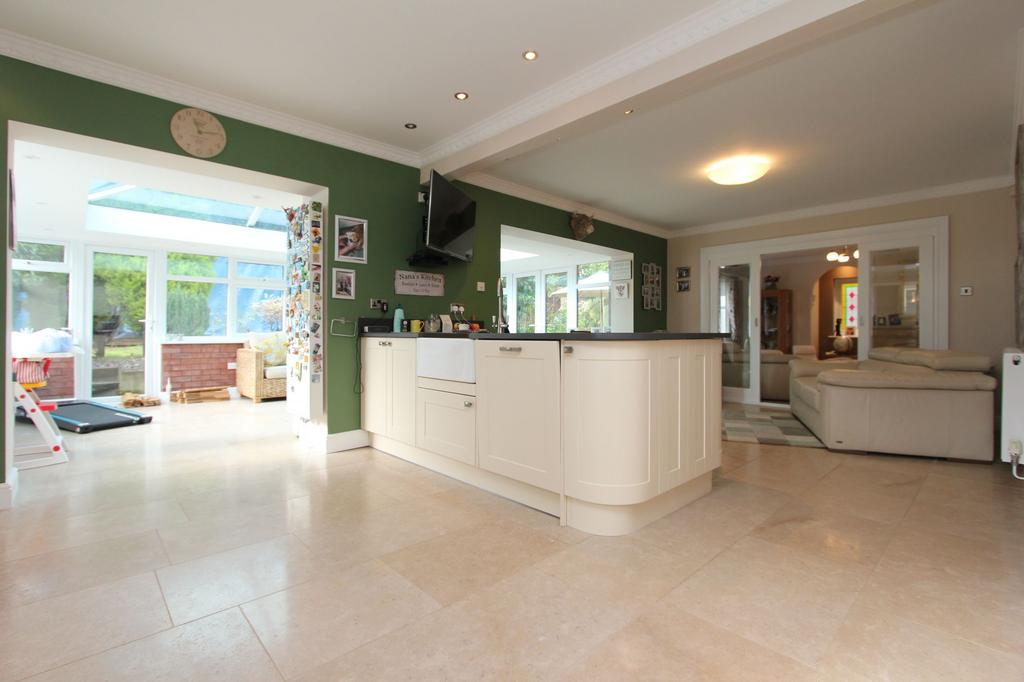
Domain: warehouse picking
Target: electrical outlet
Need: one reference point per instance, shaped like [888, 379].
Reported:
[481, 286]
[232, 365]
[378, 304]
[967, 291]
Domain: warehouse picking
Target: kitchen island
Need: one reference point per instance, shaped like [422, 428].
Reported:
[606, 431]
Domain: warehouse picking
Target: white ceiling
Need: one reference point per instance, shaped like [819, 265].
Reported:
[922, 99]
[919, 94]
[363, 67]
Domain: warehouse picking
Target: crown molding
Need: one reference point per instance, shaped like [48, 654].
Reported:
[77, 63]
[537, 196]
[980, 185]
[695, 28]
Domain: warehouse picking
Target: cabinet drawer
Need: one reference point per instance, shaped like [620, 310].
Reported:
[446, 424]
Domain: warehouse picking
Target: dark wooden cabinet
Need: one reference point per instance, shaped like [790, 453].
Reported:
[777, 319]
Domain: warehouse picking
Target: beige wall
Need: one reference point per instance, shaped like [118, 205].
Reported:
[982, 247]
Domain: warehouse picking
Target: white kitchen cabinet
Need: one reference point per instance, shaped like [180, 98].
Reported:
[519, 411]
[446, 424]
[402, 384]
[374, 360]
[609, 392]
[689, 438]
[389, 387]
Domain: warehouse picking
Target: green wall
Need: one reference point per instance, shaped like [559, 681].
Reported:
[380, 191]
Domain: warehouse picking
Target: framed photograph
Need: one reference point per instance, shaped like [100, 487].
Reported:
[621, 270]
[682, 285]
[620, 290]
[895, 320]
[350, 239]
[683, 272]
[881, 321]
[343, 284]
[645, 268]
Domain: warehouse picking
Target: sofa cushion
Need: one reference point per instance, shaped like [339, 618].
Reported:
[273, 345]
[276, 372]
[886, 353]
[949, 360]
[802, 367]
[806, 389]
[935, 381]
[771, 357]
[886, 366]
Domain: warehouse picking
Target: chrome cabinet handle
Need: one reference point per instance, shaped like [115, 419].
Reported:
[510, 349]
[467, 403]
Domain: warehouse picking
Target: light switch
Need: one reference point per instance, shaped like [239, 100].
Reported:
[967, 291]
[481, 286]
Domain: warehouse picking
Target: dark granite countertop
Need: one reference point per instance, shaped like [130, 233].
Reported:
[570, 336]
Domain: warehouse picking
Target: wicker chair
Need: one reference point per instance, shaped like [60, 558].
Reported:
[251, 380]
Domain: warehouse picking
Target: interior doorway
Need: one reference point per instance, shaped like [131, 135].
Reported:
[132, 269]
[552, 284]
[831, 295]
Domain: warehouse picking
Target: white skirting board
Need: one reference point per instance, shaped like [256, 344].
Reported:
[347, 440]
[6, 495]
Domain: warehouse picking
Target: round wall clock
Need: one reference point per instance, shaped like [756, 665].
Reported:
[198, 132]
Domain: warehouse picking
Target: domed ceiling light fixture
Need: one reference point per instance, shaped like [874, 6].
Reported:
[738, 170]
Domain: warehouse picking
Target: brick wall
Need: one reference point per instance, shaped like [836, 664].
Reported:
[197, 365]
[61, 381]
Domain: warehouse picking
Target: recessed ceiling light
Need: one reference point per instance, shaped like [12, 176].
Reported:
[627, 112]
[410, 126]
[462, 96]
[738, 170]
[530, 55]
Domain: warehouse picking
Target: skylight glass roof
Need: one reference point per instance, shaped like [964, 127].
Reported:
[131, 198]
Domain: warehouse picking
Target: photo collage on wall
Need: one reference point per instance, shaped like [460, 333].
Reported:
[651, 286]
[304, 321]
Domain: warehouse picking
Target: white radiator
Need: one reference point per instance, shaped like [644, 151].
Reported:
[1013, 402]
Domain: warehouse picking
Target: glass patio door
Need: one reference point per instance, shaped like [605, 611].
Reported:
[524, 315]
[735, 303]
[119, 323]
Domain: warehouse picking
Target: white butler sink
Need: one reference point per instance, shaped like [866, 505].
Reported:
[448, 359]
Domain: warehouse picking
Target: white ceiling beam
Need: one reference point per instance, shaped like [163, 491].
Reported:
[726, 37]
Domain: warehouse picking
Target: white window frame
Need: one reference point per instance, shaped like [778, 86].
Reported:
[540, 312]
[234, 282]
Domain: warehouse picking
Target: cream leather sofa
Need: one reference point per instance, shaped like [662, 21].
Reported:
[902, 401]
[775, 371]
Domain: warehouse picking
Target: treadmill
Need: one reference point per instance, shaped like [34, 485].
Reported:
[85, 416]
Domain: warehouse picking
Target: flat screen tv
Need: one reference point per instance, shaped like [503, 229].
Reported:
[451, 217]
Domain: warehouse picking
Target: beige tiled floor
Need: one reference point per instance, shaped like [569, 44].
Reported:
[210, 545]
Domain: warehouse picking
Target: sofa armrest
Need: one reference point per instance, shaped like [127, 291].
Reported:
[934, 381]
[249, 370]
[810, 368]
